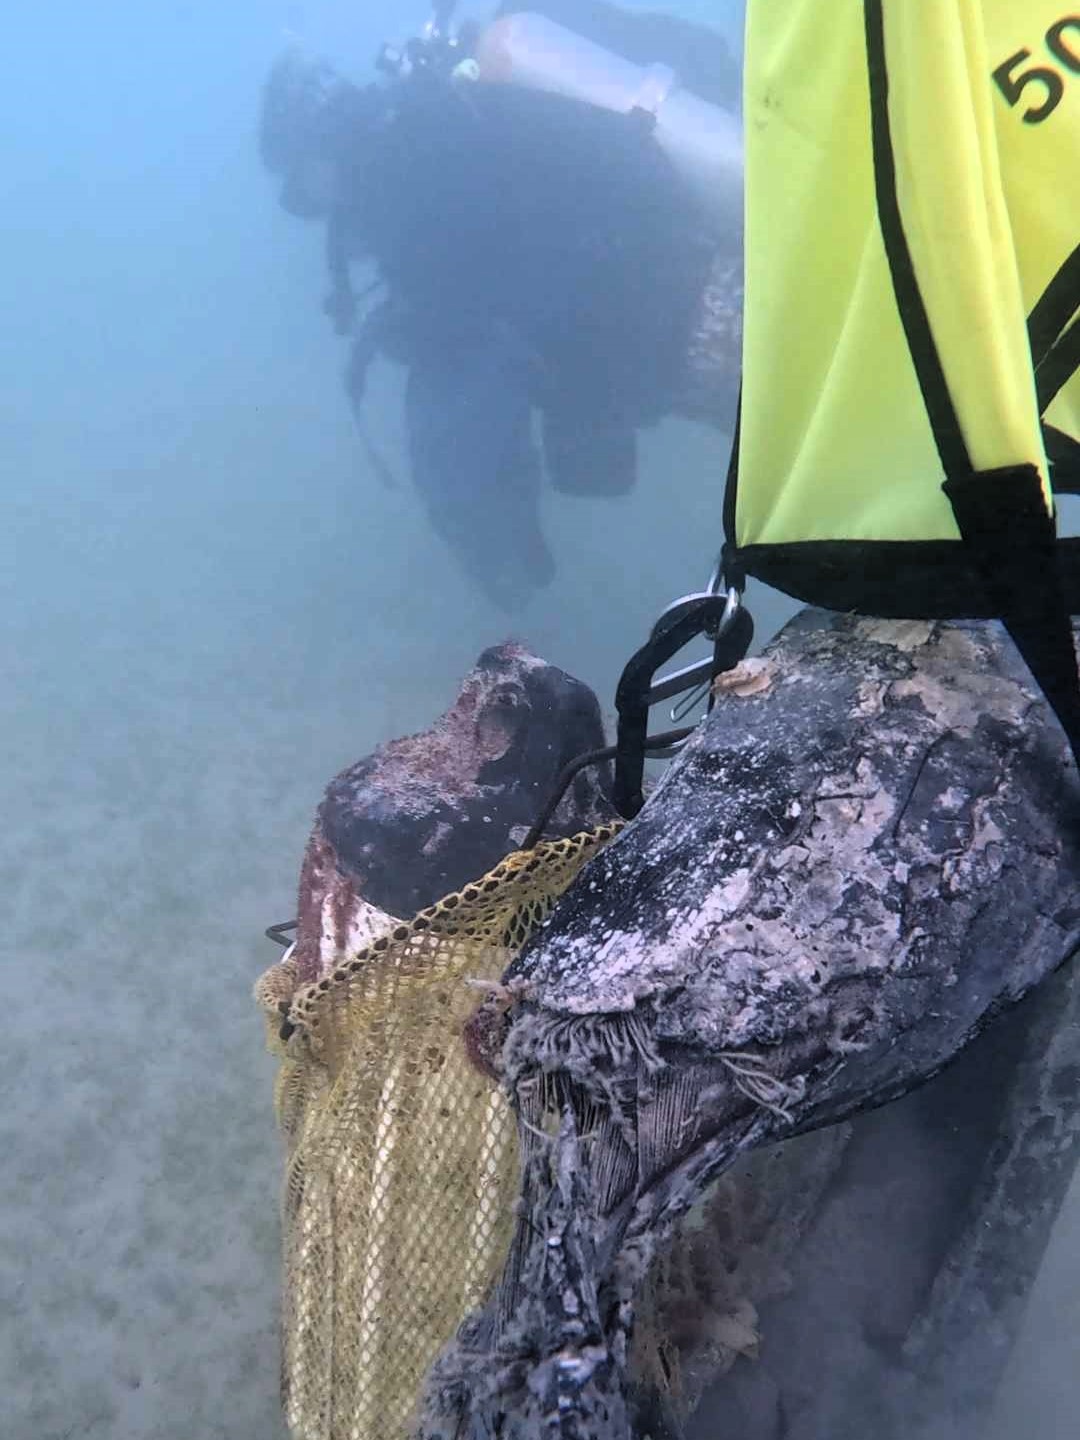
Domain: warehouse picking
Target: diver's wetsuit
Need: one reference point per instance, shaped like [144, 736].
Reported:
[537, 253]
[495, 211]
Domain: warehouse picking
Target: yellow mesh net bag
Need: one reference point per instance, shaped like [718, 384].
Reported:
[401, 1164]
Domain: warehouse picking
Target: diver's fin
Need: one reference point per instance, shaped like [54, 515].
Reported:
[468, 419]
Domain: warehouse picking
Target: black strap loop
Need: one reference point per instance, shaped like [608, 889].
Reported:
[670, 634]
[1003, 519]
[582, 762]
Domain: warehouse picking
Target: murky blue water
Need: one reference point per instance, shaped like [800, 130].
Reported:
[208, 605]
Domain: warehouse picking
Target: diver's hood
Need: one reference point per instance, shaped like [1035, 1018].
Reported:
[310, 112]
[296, 94]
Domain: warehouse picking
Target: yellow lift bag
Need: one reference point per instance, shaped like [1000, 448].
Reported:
[910, 393]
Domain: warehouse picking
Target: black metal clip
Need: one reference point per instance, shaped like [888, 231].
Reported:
[279, 933]
[719, 616]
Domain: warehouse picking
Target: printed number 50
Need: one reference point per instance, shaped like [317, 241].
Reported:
[1013, 85]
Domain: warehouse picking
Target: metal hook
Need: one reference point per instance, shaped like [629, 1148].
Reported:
[701, 673]
[730, 627]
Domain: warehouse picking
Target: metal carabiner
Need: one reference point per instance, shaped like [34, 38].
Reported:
[702, 674]
[724, 620]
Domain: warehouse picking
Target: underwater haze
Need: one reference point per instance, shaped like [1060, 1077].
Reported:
[209, 605]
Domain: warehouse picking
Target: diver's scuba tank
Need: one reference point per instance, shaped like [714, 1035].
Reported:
[703, 141]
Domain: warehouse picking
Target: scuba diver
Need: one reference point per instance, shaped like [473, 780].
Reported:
[527, 202]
